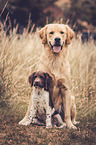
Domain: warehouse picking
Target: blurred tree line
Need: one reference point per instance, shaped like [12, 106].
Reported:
[84, 10]
[19, 11]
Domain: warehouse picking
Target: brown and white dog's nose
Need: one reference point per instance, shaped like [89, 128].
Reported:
[37, 83]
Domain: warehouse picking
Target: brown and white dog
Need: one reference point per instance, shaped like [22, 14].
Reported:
[43, 85]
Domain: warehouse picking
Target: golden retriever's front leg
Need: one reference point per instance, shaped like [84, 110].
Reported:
[66, 97]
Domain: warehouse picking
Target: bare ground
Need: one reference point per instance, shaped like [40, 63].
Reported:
[13, 134]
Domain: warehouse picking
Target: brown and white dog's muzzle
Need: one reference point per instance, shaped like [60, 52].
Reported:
[38, 83]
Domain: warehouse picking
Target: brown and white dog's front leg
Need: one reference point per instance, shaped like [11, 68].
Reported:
[48, 111]
[48, 117]
[66, 97]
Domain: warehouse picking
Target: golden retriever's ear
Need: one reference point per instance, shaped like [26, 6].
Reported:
[42, 34]
[70, 35]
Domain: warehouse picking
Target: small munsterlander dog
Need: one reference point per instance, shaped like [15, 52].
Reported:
[41, 100]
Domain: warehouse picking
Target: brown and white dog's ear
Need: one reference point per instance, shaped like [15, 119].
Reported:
[48, 81]
[31, 78]
[70, 34]
[42, 35]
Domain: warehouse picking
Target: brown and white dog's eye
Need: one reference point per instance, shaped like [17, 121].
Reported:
[35, 77]
[41, 77]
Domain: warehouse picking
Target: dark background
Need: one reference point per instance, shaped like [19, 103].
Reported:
[77, 11]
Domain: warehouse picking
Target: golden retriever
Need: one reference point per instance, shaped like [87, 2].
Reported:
[54, 60]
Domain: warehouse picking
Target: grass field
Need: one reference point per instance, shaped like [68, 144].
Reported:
[19, 57]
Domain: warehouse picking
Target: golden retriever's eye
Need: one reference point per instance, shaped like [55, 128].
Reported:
[62, 32]
[51, 32]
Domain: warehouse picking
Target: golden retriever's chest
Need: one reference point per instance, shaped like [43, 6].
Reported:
[56, 67]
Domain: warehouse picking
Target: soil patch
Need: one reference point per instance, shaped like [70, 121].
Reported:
[12, 134]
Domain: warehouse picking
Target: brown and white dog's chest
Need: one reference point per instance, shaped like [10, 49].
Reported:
[40, 99]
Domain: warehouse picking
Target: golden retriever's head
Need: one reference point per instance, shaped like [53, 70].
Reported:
[56, 36]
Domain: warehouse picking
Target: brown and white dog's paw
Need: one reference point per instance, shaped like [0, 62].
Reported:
[25, 123]
[22, 121]
[62, 125]
[49, 126]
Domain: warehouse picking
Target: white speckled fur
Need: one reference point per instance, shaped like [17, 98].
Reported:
[40, 101]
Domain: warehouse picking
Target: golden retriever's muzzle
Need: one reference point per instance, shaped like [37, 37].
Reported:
[57, 46]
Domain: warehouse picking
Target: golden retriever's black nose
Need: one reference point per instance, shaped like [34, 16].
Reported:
[57, 40]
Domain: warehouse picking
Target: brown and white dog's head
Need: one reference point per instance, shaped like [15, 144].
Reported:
[40, 80]
[56, 36]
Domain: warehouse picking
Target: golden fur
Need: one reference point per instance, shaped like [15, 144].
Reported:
[57, 100]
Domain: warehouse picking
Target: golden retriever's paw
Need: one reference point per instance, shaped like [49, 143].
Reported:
[76, 122]
[70, 125]
[74, 127]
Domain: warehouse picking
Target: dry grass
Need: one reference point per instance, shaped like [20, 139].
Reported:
[83, 70]
[19, 56]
